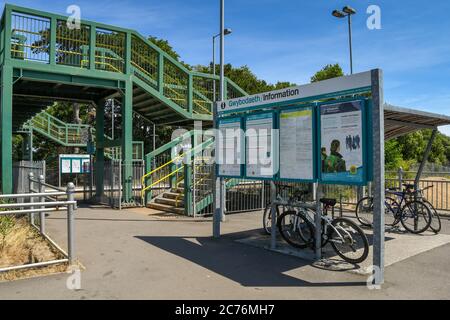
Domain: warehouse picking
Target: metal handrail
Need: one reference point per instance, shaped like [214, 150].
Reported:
[42, 206]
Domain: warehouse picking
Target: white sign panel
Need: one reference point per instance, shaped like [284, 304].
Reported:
[326, 87]
[231, 147]
[260, 146]
[66, 165]
[341, 142]
[74, 163]
[76, 166]
[296, 144]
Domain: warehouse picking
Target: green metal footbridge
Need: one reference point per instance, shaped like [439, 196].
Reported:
[43, 60]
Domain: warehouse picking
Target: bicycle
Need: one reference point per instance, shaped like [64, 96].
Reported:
[267, 215]
[408, 208]
[435, 224]
[347, 239]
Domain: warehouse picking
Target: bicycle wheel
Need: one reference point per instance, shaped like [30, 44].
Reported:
[435, 224]
[415, 216]
[391, 212]
[267, 218]
[364, 211]
[295, 229]
[348, 240]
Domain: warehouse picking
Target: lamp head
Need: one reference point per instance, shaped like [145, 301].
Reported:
[338, 14]
[227, 31]
[349, 10]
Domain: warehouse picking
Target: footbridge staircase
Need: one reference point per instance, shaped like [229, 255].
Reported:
[43, 60]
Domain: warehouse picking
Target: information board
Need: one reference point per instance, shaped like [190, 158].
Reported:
[342, 143]
[296, 144]
[74, 163]
[259, 146]
[230, 147]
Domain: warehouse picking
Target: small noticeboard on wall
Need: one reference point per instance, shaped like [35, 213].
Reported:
[74, 163]
[342, 142]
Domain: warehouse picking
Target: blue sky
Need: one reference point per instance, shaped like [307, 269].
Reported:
[289, 40]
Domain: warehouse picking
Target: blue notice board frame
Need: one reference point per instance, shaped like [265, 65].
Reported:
[293, 107]
[233, 119]
[341, 179]
[261, 115]
[76, 158]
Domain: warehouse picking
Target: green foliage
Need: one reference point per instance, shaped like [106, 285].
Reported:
[245, 78]
[167, 48]
[328, 72]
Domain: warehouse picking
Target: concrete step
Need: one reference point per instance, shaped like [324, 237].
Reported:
[165, 208]
[170, 202]
[173, 195]
[177, 190]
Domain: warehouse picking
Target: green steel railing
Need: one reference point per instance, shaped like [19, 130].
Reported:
[75, 135]
[32, 36]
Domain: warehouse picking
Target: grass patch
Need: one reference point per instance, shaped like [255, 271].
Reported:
[21, 244]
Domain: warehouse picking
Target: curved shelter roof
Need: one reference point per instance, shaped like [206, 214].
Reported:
[399, 121]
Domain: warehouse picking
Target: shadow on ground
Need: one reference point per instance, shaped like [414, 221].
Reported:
[249, 266]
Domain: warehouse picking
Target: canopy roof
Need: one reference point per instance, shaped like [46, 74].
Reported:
[399, 121]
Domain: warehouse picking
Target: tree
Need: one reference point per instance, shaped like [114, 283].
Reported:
[167, 48]
[328, 72]
[245, 78]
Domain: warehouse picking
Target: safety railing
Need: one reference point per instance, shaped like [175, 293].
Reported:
[39, 202]
[64, 133]
[69, 134]
[46, 38]
[163, 175]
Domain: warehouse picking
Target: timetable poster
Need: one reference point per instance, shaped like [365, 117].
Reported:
[231, 147]
[341, 142]
[260, 146]
[296, 144]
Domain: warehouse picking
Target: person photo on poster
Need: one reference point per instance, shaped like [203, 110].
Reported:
[341, 143]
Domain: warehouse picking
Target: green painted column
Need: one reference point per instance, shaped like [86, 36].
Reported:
[99, 148]
[127, 140]
[6, 102]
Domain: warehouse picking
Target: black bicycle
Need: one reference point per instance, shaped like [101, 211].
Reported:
[407, 207]
[347, 239]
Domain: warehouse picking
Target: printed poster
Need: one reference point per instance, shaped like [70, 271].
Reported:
[341, 142]
[296, 144]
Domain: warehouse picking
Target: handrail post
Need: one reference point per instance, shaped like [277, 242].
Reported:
[30, 189]
[42, 199]
[70, 223]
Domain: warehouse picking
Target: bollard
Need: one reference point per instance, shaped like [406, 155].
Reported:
[30, 189]
[400, 178]
[42, 199]
[70, 223]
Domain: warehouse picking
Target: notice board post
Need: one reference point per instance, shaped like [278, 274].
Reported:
[378, 174]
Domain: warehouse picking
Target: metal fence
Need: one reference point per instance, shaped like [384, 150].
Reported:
[38, 202]
[113, 177]
[22, 169]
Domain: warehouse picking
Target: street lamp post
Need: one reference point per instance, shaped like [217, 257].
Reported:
[347, 12]
[225, 32]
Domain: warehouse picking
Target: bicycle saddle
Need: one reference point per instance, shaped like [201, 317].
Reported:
[408, 186]
[328, 201]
